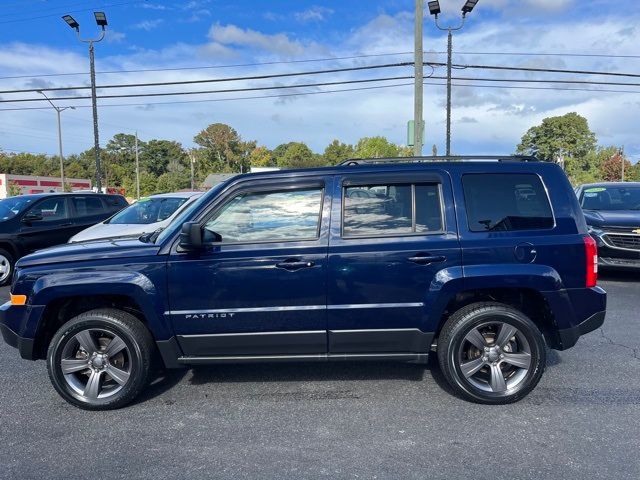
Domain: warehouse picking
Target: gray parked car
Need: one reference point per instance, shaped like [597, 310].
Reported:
[144, 216]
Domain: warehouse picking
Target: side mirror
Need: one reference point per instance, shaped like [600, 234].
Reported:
[190, 237]
[32, 217]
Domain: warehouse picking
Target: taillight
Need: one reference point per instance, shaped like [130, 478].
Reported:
[591, 252]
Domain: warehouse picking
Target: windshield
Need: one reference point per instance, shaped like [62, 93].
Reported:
[611, 198]
[148, 210]
[10, 207]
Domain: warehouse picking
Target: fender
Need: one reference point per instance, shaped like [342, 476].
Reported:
[449, 282]
[127, 283]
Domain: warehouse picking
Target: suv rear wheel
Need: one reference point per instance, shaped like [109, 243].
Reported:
[491, 353]
[101, 359]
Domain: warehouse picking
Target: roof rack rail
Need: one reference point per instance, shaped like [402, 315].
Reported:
[446, 158]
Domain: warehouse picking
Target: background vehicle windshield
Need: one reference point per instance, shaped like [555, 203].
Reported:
[611, 198]
[148, 210]
[10, 207]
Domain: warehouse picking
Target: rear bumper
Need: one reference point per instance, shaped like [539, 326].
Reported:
[569, 336]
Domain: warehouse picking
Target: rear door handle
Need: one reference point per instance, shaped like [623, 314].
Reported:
[427, 259]
[295, 264]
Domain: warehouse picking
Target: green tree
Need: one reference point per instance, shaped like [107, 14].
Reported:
[299, 155]
[337, 152]
[13, 189]
[568, 136]
[261, 157]
[222, 150]
[376, 147]
[155, 155]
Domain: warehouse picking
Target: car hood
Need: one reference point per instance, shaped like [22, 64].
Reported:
[613, 218]
[112, 230]
[90, 251]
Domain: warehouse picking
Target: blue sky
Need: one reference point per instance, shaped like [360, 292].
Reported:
[36, 45]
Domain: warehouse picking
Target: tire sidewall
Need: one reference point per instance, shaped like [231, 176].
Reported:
[525, 326]
[65, 334]
[12, 264]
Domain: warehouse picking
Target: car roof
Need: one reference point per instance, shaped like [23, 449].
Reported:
[175, 195]
[35, 196]
[611, 184]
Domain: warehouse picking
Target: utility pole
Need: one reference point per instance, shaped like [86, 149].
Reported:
[622, 161]
[193, 163]
[58, 111]
[434, 9]
[101, 21]
[137, 170]
[418, 125]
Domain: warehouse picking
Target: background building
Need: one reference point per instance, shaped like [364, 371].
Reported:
[32, 184]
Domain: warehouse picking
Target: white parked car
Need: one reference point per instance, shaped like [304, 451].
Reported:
[144, 216]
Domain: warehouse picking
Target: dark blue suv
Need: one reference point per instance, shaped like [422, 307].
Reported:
[482, 261]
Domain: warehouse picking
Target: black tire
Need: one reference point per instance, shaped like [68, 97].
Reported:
[7, 258]
[488, 318]
[137, 359]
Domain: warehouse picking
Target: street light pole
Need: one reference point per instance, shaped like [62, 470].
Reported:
[418, 79]
[58, 111]
[101, 21]
[434, 8]
[137, 170]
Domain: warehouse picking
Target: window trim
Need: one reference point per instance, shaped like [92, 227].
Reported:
[275, 189]
[544, 187]
[413, 233]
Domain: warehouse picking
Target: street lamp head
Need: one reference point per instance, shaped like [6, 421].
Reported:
[101, 19]
[72, 108]
[468, 6]
[71, 22]
[434, 7]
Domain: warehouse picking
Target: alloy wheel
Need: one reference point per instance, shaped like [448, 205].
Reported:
[96, 363]
[5, 268]
[495, 357]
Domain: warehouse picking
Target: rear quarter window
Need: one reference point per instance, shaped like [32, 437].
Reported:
[506, 202]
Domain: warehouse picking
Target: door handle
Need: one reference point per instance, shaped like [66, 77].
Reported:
[292, 264]
[427, 259]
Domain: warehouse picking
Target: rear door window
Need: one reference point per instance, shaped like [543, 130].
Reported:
[391, 210]
[88, 206]
[506, 202]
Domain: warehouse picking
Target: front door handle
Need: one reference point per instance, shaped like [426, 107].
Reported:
[292, 264]
[427, 259]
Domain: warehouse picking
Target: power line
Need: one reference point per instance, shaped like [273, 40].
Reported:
[342, 82]
[207, 67]
[325, 59]
[70, 11]
[215, 80]
[284, 95]
[317, 72]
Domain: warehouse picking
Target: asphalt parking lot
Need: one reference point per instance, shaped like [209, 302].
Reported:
[341, 420]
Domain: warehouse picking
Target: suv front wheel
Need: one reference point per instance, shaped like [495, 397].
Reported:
[101, 359]
[491, 353]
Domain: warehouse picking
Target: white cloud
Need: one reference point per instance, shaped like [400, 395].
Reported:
[279, 43]
[148, 25]
[113, 36]
[314, 13]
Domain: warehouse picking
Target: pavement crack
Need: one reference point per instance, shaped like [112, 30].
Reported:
[634, 351]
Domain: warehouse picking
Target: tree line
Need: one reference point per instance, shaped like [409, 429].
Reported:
[165, 165]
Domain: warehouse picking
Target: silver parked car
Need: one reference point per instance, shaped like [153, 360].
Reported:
[144, 216]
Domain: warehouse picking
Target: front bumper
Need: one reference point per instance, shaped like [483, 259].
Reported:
[12, 319]
[611, 256]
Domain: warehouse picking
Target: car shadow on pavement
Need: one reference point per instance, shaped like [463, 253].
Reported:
[307, 372]
[163, 382]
